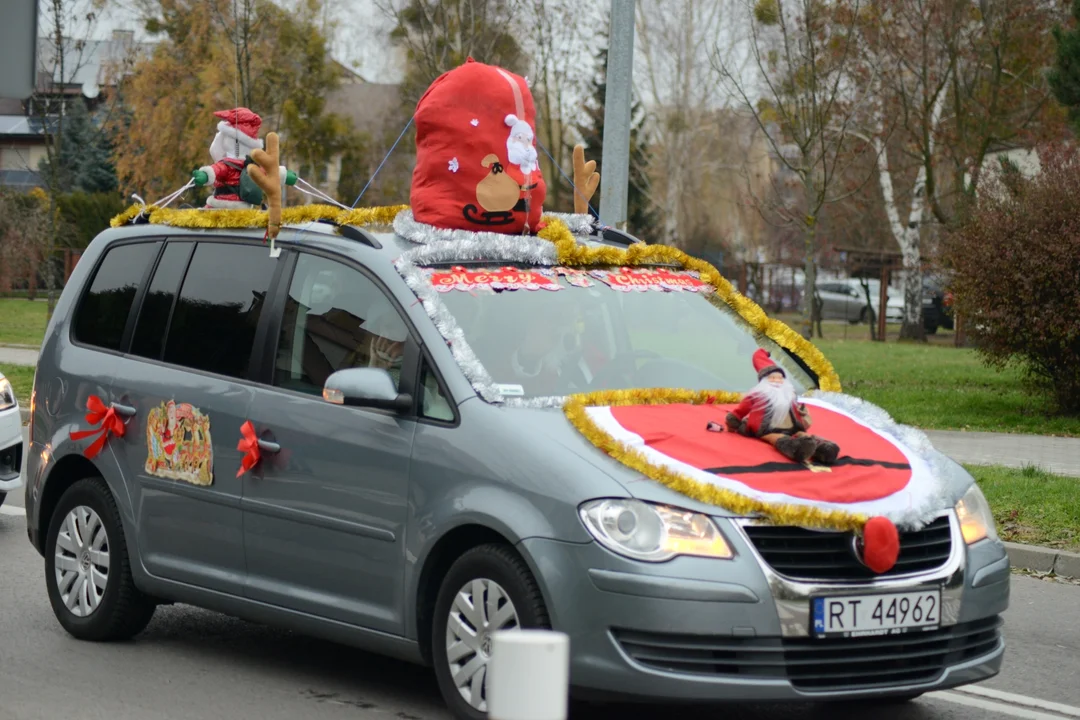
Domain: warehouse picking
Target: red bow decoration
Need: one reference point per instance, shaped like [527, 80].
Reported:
[249, 445]
[110, 423]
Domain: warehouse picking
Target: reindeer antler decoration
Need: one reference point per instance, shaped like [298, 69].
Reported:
[267, 176]
[586, 179]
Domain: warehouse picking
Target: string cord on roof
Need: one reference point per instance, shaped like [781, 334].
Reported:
[385, 158]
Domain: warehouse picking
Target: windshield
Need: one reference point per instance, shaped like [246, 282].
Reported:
[554, 331]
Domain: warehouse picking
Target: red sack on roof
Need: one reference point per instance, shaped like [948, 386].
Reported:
[476, 161]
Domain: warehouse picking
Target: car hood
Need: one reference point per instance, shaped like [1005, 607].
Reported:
[552, 424]
[941, 481]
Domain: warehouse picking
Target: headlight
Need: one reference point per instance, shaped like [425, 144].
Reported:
[7, 394]
[976, 519]
[653, 533]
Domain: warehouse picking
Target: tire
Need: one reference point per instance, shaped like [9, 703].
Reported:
[121, 611]
[866, 315]
[490, 565]
[3, 497]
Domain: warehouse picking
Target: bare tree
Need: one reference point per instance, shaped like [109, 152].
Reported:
[942, 70]
[679, 87]
[553, 37]
[438, 35]
[803, 51]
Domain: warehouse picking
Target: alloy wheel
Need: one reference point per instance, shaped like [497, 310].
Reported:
[82, 561]
[480, 609]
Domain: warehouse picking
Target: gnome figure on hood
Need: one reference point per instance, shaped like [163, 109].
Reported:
[237, 137]
[771, 412]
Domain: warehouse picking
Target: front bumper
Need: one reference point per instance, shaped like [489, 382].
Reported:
[701, 630]
[12, 452]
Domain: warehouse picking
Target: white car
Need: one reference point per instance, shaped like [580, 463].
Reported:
[11, 442]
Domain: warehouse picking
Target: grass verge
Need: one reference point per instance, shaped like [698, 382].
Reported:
[943, 388]
[22, 380]
[22, 322]
[1032, 506]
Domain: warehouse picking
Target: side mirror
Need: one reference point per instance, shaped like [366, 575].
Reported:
[365, 387]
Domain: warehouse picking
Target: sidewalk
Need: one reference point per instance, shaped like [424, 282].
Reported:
[18, 355]
[1059, 455]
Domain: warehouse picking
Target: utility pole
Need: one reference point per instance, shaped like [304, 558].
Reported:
[18, 48]
[615, 178]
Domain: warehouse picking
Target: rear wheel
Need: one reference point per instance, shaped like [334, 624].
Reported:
[87, 569]
[488, 589]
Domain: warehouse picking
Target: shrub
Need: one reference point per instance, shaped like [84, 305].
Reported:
[1016, 265]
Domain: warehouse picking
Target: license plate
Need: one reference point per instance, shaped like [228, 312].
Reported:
[865, 615]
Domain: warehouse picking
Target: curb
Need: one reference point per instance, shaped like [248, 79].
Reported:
[1044, 559]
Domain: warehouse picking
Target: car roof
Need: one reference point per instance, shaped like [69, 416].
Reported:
[350, 240]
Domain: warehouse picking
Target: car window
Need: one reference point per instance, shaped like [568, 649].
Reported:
[104, 310]
[213, 325]
[434, 404]
[335, 318]
[149, 338]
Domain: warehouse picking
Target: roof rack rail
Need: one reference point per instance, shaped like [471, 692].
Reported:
[610, 234]
[354, 233]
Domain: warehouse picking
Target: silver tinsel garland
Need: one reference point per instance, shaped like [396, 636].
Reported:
[953, 479]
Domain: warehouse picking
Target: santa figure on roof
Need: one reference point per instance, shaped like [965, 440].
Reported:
[237, 136]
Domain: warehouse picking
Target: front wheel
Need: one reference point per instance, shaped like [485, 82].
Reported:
[87, 569]
[488, 589]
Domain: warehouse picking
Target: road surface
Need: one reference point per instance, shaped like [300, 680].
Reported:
[191, 664]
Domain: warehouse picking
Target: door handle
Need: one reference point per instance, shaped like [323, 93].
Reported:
[268, 446]
[125, 410]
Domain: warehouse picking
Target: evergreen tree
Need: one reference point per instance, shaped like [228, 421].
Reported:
[1064, 76]
[641, 219]
[84, 155]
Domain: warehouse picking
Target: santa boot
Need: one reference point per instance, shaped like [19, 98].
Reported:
[826, 452]
[798, 449]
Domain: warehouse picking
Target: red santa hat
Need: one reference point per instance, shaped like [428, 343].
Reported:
[476, 164]
[242, 125]
[764, 364]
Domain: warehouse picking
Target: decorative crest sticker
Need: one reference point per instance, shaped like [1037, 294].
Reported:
[178, 444]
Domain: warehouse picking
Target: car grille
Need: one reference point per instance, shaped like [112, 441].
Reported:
[817, 665]
[810, 555]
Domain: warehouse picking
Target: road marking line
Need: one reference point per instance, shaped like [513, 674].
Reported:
[991, 705]
[1015, 699]
[12, 510]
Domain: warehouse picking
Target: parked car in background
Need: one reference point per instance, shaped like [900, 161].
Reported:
[937, 304]
[11, 444]
[846, 300]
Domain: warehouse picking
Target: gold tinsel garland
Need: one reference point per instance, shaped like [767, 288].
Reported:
[573, 254]
[741, 505]
[296, 215]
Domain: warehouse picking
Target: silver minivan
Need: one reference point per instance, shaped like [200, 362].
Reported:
[301, 440]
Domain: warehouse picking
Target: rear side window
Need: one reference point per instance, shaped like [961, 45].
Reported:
[104, 310]
[217, 313]
[157, 305]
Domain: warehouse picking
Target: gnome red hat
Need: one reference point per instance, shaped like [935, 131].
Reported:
[476, 161]
[764, 364]
[240, 126]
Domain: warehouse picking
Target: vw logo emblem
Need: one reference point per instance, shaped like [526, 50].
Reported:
[857, 549]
